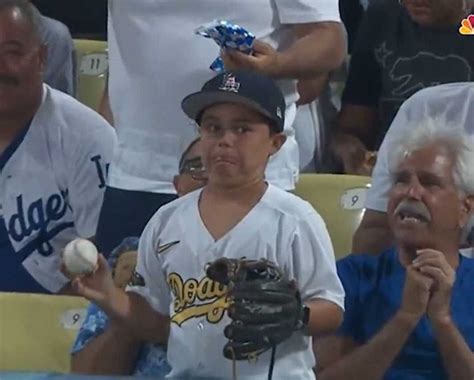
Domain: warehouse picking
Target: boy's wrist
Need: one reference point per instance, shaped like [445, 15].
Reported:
[122, 333]
[115, 305]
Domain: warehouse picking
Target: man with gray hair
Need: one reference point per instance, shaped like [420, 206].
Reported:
[408, 311]
[453, 102]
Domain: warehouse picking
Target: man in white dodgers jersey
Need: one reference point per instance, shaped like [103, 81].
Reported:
[241, 118]
[53, 157]
[156, 59]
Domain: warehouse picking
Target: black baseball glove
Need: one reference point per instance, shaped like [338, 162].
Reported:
[265, 308]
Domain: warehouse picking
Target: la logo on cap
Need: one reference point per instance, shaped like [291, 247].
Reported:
[229, 83]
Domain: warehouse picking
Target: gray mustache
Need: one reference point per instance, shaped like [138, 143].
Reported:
[413, 207]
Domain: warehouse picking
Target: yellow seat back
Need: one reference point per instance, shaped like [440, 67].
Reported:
[340, 200]
[91, 71]
[37, 331]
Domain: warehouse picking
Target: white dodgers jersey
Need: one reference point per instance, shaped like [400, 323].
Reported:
[52, 179]
[174, 251]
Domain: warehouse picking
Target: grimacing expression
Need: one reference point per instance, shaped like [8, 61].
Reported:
[236, 142]
[22, 59]
[425, 207]
[435, 13]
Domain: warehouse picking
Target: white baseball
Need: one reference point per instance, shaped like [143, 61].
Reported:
[80, 257]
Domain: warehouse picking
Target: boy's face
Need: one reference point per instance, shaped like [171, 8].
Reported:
[236, 143]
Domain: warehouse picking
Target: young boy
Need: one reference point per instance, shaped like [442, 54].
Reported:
[240, 117]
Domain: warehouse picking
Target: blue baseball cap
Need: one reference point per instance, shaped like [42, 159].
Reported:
[248, 88]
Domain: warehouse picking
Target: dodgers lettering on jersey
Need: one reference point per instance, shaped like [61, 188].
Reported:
[196, 299]
[52, 182]
[102, 170]
[37, 217]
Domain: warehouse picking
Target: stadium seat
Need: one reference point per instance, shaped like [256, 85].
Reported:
[91, 71]
[340, 200]
[37, 331]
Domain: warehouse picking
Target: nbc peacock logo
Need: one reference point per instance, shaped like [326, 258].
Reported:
[467, 26]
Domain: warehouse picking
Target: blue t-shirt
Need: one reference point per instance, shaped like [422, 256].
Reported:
[151, 360]
[374, 288]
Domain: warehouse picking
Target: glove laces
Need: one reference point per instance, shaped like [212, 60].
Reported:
[253, 359]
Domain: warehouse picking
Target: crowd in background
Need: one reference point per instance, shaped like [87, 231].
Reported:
[404, 118]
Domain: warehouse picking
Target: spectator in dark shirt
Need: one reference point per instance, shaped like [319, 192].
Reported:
[352, 12]
[401, 48]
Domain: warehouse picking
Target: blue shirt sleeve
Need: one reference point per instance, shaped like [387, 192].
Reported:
[94, 325]
[349, 273]
[151, 361]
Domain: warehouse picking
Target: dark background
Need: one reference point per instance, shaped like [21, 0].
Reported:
[85, 18]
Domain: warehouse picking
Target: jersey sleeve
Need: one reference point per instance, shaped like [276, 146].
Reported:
[306, 11]
[149, 279]
[312, 261]
[91, 155]
[349, 275]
